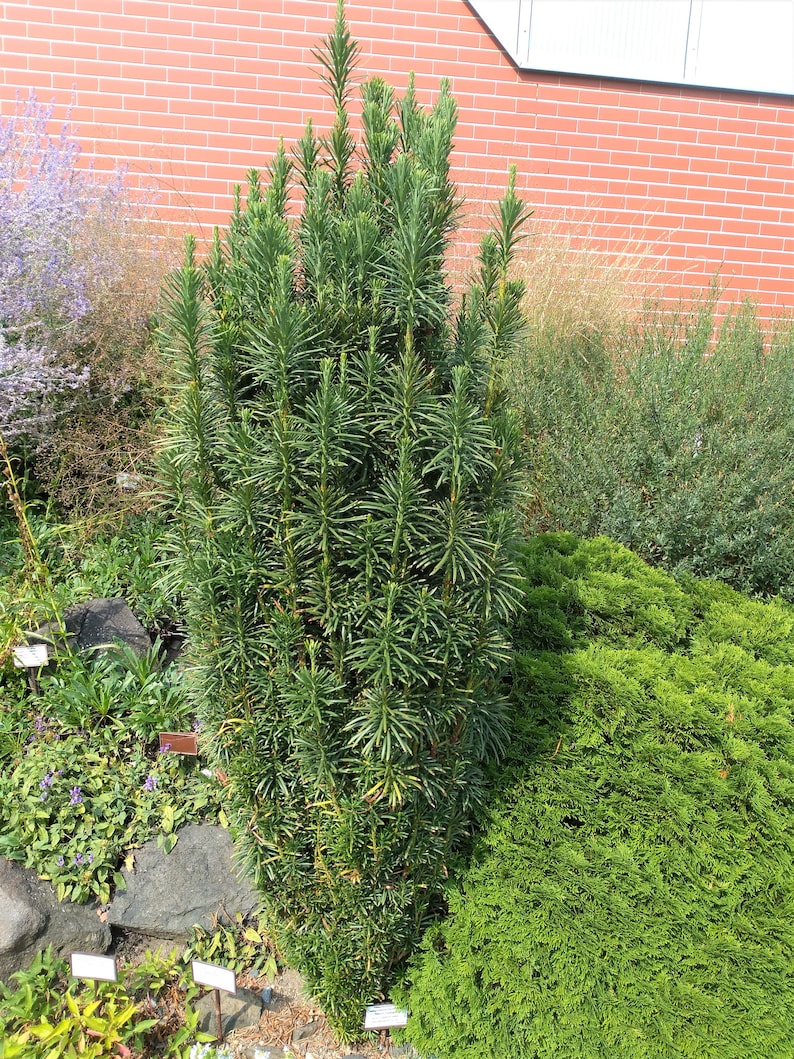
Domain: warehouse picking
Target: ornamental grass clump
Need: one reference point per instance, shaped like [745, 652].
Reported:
[632, 893]
[341, 469]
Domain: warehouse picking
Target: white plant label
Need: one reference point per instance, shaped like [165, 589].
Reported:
[88, 965]
[30, 657]
[383, 1016]
[214, 976]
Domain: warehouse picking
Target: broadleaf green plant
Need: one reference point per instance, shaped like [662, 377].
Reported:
[341, 470]
[81, 778]
[149, 1011]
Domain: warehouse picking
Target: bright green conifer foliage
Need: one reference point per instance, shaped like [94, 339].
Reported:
[342, 466]
[633, 892]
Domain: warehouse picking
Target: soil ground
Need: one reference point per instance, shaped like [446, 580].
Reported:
[289, 1009]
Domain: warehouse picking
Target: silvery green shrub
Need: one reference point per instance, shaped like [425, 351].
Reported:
[46, 202]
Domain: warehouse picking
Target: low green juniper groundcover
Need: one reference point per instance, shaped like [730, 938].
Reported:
[633, 889]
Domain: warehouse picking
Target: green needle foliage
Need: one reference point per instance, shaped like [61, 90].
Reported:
[632, 893]
[342, 466]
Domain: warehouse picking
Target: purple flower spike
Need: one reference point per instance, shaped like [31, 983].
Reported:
[151, 783]
[78, 859]
[60, 862]
[76, 796]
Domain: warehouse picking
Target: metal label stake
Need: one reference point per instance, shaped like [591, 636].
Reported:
[94, 967]
[217, 978]
[384, 1016]
[31, 657]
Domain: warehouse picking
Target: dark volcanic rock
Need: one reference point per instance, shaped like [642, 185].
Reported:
[195, 884]
[238, 1011]
[31, 918]
[95, 626]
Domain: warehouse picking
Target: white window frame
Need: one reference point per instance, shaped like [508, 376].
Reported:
[745, 45]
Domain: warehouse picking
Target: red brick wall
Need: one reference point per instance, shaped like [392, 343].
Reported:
[189, 93]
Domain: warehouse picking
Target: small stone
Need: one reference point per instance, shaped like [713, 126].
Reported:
[267, 995]
[301, 1033]
[239, 1011]
[129, 482]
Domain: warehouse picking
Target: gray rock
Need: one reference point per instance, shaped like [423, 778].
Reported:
[238, 1012]
[95, 626]
[31, 918]
[21, 922]
[302, 1033]
[196, 884]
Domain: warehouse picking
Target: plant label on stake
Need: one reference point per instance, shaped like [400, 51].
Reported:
[179, 743]
[384, 1016]
[90, 965]
[218, 978]
[31, 656]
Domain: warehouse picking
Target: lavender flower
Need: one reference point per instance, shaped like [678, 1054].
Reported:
[45, 204]
[150, 784]
[78, 859]
[60, 862]
[165, 748]
[46, 783]
[76, 796]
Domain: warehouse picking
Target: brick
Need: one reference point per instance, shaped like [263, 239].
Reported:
[669, 164]
[14, 61]
[764, 215]
[27, 45]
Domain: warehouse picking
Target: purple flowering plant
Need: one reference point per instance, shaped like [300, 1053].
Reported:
[91, 786]
[47, 203]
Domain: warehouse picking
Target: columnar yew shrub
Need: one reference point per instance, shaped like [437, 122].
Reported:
[631, 894]
[341, 466]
